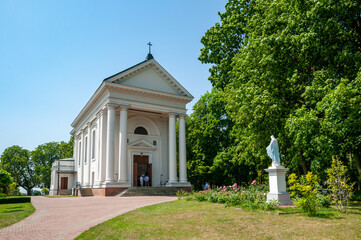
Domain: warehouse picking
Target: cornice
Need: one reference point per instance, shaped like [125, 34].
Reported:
[158, 68]
[148, 93]
[92, 101]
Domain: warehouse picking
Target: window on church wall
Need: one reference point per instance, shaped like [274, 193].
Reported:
[93, 144]
[85, 149]
[79, 151]
[140, 131]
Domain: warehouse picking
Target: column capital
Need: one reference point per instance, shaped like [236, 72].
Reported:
[172, 114]
[182, 115]
[111, 105]
[124, 106]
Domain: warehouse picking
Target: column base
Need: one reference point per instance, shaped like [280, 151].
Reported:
[122, 181]
[114, 185]
[178, 184]
[109, 182]
[283, 198]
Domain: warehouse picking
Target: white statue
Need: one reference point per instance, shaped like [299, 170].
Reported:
[273, 151]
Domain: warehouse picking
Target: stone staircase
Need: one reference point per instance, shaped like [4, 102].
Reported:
[149, 191]
[86, 192]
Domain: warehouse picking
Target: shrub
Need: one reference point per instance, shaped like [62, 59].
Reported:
[356, 196]
[305, 192]
[340, 190]
[325, 200]
[44, 190]
[200, 196]
[182, 194]
[36, 193]
[253, 197]
[6, 200]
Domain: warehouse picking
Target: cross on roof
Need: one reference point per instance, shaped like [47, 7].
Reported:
[150, 45]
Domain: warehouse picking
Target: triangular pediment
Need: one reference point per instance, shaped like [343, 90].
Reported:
[149, 75]
[142, 144]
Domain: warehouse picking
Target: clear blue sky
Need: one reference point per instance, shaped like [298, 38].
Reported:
[55, 54]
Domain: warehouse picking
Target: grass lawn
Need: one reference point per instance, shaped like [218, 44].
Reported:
[14, 212]
[203, 220]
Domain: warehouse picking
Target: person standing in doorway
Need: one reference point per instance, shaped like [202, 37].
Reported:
[141, 180]
[146, 180]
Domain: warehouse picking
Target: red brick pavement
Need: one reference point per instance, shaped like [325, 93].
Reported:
[66, 218]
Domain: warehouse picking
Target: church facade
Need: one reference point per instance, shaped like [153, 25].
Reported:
[128, 129]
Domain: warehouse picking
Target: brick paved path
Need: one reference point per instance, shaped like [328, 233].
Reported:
[66, 218]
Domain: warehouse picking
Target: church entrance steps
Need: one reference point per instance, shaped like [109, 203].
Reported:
[122, 193]
[86, 192]
[150, 191]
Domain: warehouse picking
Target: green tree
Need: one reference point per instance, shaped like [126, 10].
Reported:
[7, 184]
[341, 124]
[207, 134]
[44, 156]
[222, 42]
[18, 163]
[279, 66]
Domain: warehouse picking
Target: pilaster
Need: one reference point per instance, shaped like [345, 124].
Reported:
[123, 145]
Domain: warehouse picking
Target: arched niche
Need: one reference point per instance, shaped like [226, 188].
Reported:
[145, 122]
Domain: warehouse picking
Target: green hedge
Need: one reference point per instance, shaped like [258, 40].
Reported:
[6, 200]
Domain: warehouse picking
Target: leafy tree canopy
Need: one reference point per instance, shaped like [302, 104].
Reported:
[7, 184]
[18, 163]
[44, 156]
[289, 69]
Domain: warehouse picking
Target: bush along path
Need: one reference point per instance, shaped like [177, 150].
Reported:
[251, 197]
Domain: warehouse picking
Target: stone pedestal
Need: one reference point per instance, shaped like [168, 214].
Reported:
[277, 184]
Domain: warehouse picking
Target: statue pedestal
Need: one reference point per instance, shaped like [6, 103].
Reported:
[277, 184]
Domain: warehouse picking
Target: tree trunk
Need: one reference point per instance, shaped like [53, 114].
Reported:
[28, 191]
[303, 164]
[356, 157]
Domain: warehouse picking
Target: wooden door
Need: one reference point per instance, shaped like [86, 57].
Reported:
[64, 183]
[141, 166]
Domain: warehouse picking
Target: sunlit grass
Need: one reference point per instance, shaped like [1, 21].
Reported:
[15, 212]
[203, 220]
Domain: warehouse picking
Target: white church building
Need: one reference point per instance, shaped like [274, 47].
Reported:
[128, 129]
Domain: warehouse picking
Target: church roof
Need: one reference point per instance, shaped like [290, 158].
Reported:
[105, 79]
[150, 62]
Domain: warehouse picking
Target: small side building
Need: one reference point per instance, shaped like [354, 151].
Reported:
[63, 176]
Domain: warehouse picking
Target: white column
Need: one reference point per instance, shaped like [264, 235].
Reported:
[182, 150]
[172, 150]
[82, 160]
[89, 153]
[109, 174]
[123, 145]
[99, 147]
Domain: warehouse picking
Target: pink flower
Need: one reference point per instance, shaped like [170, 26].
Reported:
[243, 192]
[254, 181]
[220, 187]
[235, 185]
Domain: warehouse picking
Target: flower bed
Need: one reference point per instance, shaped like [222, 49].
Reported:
[251, 197]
